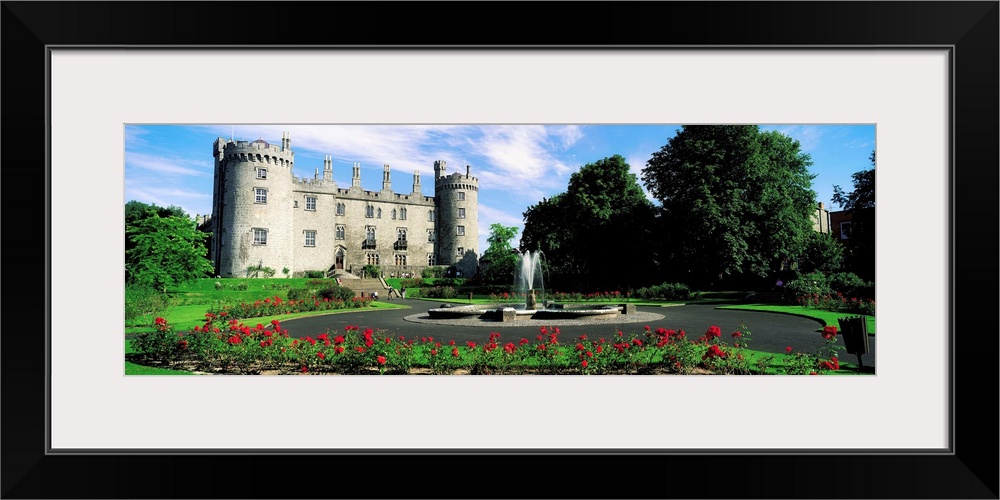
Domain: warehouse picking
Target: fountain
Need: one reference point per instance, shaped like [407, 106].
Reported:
[528, 279]
[528, 282]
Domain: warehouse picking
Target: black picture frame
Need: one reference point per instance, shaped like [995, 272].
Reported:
[969, 28]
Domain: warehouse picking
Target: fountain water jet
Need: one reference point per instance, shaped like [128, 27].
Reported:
[528, 279]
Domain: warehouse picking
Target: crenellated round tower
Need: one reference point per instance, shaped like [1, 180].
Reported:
[252, 209]
[456, 200]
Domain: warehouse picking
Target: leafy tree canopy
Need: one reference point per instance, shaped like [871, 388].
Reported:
[500, 258]
[735, 201]
[166, 251]
[137, 210]
[593, 234]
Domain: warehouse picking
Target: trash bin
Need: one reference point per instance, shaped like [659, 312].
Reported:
[854, 330]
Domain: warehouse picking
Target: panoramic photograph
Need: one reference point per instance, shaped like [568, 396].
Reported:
[555, 249]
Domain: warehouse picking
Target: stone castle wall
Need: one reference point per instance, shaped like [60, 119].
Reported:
[314, 225]
[457, 198]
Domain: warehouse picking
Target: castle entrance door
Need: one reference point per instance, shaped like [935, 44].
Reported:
[340, 258]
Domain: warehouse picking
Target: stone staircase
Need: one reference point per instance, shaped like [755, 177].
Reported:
[366, 286]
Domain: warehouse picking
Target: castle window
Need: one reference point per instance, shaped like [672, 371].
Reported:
[372, 258]
[378, 213]
[262, 173]
[340, 231]
[461, 213]
[369, 211]
[259, 236]
[394, 214]
[310, 238]
[461, 230]
[340, 209]
[402, 213]
[461, 251]
[430, 259]
[461, 196]
[310, 203]
[260, 195]
[370, 234]
[400, 260]
[430, 236]
[430, 216]
[401, 234]
[295, 203]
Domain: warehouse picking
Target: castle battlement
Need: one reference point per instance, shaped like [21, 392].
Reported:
[466, 181]
[316, 184]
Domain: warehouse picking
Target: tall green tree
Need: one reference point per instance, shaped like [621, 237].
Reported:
[501, 258]
[735, 203]
[596, 234]
[166, 251]
[136, 211]
[860, 202]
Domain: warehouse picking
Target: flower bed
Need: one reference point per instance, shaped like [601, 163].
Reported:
[837, 303]
[276, 305]
[217, 346]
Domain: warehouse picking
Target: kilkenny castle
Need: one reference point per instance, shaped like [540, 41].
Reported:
[262, 215]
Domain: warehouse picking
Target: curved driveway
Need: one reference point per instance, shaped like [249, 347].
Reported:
[771, 332]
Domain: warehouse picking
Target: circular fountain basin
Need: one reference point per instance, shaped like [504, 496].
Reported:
[448, 311]
[502, 312]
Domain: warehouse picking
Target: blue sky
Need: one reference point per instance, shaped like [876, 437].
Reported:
[517, 165]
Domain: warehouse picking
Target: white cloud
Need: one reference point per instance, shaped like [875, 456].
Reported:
[133, 136]
[489, 215]
[522, 153]
[567, 135]
[163, 165]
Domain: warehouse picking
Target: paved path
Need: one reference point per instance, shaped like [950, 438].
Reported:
[771, 332]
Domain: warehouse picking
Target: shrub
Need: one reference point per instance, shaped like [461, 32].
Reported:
[371, 270]
[260, 271]
[849, 284]
[301, 293]
[808, 284]
[665, 291]
[846, 284]
[433, 272]
[315, 274]
[335, 292]
[438, 292]
[143, 304]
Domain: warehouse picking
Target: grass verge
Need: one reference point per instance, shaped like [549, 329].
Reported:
[826, 317]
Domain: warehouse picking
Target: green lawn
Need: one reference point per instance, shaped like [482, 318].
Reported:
[825, 317]
[134, 369]
[186, 317]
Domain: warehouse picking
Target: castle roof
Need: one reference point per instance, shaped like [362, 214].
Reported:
[260, 141]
